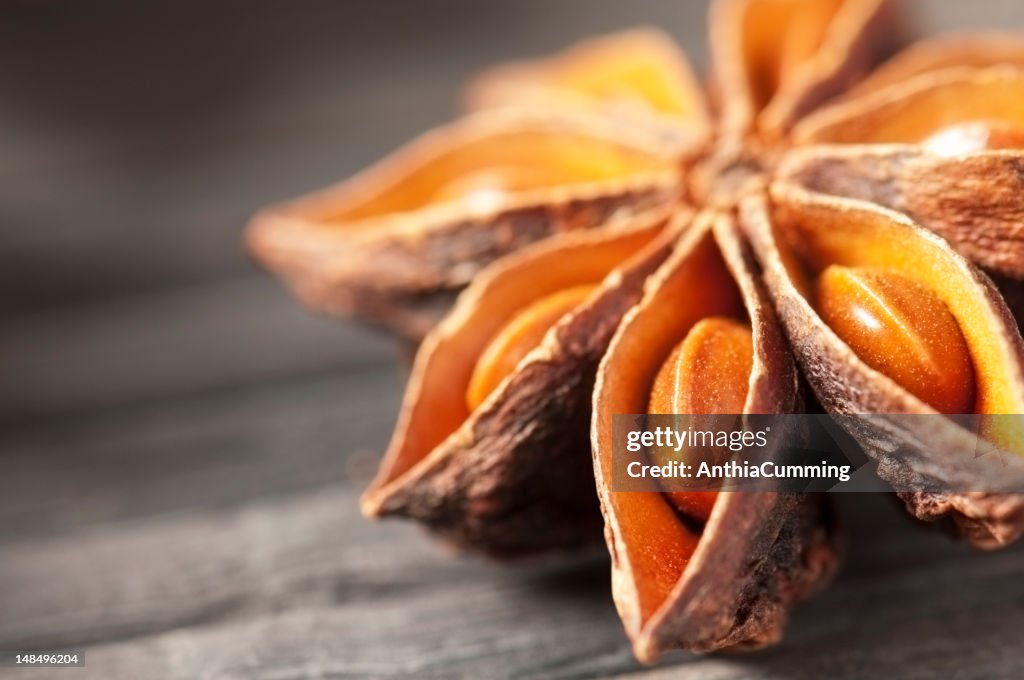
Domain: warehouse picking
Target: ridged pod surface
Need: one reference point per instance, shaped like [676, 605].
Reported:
[507, 473]
[394, 243]
[725, 579]
[957, 316]
[869, 195]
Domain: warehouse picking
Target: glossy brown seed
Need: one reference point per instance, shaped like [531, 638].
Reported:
[708, 372]
[801, 233]
[899, 327]
[517, 338]
[728, 582]
[483, 475]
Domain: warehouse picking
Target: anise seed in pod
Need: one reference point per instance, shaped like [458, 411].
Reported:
[868, 208]
[491, 449]
[393, 244]
[932, 335]
[727, 579]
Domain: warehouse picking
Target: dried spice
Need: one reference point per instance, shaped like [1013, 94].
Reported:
[638, 78]
[393, 244]
[934, 147]
[686, 572]
[502, 464]
[821, 192]
[776, 60]
[967, 50]
[887, 318]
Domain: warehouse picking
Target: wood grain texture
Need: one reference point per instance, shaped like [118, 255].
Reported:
[200, 453]
[177, 345]
[300, 586]
[182, 446]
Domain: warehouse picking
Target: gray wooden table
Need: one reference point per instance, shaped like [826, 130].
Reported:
[182, 446]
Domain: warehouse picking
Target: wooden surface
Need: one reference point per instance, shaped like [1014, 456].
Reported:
[182, 446]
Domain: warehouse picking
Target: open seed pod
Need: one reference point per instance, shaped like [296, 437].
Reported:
[776, 60]
[491, 450]
[962, 50]
[391, 242]
[933, 109]
[975, 200]
[886, 318]
[924, 147]
[704, 570]
[637, 76]
[773, 62]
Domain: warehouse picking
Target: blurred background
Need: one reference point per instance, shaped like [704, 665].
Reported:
[182, 445]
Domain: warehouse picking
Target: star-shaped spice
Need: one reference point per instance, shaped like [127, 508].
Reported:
[633, 245]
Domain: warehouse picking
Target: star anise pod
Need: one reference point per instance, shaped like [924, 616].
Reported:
[674, 255]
